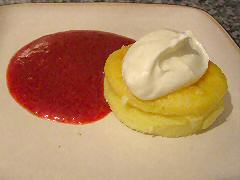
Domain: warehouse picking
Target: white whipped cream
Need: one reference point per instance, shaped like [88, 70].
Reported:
[163, 62]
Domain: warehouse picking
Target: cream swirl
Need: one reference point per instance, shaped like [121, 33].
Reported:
[163, 62]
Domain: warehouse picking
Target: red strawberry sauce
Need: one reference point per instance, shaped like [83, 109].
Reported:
[60, 76]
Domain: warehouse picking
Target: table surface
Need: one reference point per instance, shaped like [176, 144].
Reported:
[226, 12]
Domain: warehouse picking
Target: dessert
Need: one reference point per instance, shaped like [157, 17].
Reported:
[164, 84]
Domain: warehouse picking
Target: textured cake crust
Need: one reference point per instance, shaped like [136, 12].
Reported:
[156, 124]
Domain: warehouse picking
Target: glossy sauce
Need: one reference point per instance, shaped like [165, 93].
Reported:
[60, 76]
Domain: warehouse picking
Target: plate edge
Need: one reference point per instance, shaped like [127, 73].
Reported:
[210, 17]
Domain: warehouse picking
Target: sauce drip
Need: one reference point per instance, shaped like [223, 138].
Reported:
[60, 76]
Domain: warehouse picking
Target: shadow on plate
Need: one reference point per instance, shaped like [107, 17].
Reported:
[228, 107]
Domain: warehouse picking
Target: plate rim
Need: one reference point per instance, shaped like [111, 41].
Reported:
[203, 12]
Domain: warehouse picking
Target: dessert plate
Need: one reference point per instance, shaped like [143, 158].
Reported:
[31, 148]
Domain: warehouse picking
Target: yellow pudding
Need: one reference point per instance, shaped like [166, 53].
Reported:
[180, 113]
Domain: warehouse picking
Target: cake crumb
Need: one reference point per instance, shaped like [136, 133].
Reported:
[79, 133]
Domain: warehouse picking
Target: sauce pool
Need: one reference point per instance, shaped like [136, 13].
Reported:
[60, 76]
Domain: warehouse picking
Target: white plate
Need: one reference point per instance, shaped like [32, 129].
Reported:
[31, 148]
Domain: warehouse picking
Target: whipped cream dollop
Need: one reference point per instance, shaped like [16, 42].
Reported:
[163, 62]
